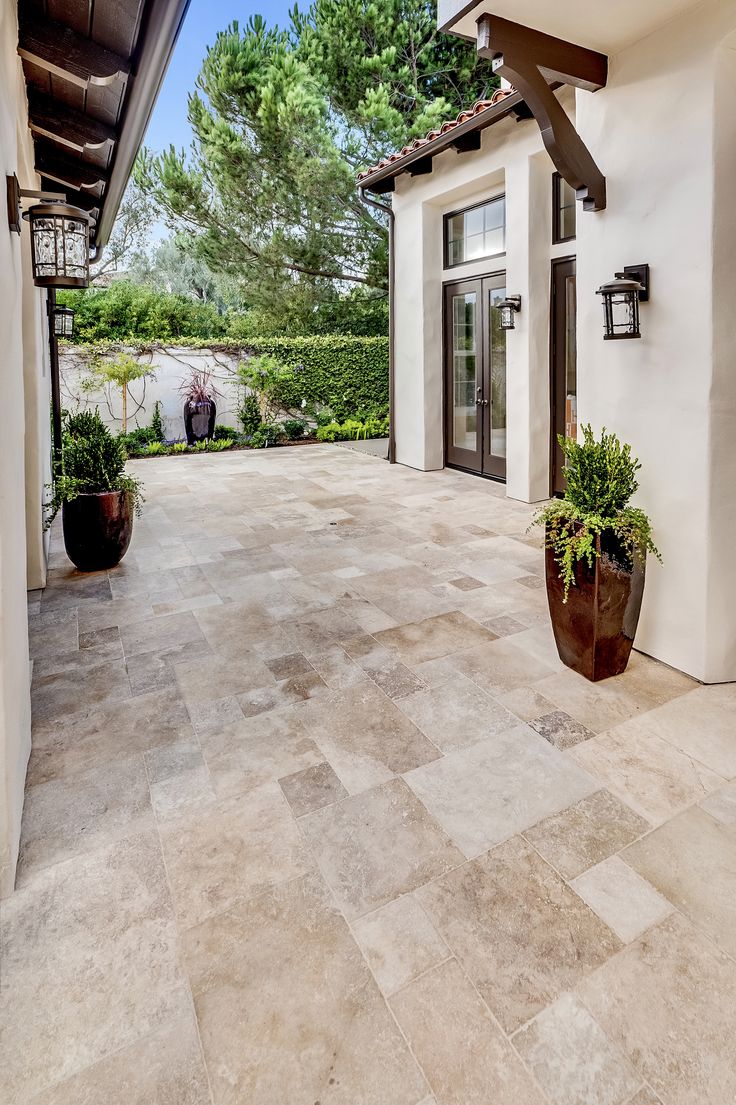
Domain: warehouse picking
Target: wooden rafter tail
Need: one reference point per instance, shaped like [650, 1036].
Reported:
[529, 59]
[62, 52]
[66, 126]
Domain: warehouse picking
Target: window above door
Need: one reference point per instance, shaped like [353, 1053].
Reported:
[563, 210]
[476, 232]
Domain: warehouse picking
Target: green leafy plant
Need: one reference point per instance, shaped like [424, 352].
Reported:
[218, 445]
[92, 462]
[601, 479]
[270, 433]
[199, 446]
[180, 447]
[156, 449]
[249, 415]
[116, 372]
[157, 423]
[294, 428]
[331, 432]
[223, 433]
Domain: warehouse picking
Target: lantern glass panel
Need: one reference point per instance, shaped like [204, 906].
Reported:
[507, 317]
[60, 246]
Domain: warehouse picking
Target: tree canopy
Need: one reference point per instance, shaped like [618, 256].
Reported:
[282, 121]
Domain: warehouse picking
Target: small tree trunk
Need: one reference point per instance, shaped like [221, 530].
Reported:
[125, 408]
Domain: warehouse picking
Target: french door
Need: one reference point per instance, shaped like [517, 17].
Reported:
[563, 356]
[475, 376]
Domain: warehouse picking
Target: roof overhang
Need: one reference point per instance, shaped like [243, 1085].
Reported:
[93, 72]
[595, 24]
[458, 136]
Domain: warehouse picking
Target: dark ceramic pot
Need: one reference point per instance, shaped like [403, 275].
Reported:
[594, 630]
[199, 421]
[97, 529]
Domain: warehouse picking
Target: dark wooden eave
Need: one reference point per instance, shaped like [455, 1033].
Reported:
[93, 70]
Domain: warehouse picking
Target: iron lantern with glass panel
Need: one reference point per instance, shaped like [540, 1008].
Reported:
[508, 308]
[621, 306]
[63, 320]
[59, 245]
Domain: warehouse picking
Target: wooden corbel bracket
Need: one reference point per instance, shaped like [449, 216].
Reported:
[529, 60]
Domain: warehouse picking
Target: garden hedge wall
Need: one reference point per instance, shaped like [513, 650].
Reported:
[347, 374]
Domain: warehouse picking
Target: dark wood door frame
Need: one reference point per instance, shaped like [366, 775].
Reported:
[557, 352]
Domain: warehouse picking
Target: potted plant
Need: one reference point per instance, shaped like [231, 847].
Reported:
[200, 410]
[596, 547]
[96, 497]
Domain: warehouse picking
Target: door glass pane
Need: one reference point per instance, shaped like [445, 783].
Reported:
[498, 377]
[464, 336]
[571, 362]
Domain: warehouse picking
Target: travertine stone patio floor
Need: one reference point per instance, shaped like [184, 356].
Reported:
[316, 817]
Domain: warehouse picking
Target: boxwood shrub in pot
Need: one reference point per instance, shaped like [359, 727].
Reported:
[596, 547]
[97, 498]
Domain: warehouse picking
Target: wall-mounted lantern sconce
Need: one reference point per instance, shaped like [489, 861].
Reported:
[63, 321]
[59, 237]
[508, 308]
[621, 298]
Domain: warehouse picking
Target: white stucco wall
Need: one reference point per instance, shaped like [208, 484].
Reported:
[663, 132]
[22, 444]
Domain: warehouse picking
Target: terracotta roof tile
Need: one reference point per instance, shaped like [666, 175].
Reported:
[467, 113]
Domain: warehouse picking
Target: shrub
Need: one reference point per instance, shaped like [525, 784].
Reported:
[601, 479]
[93, 461]
[294, 428]
[249, 415]
[270, 433]
[129, 311]
[199, 446]
[331, 432]
[137, 441]
[180, 447]
[223, 433]
[156, 449]
[219, 444]
[157, 423]
[351, 429]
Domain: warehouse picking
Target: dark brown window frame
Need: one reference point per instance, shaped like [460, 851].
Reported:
[462, 211]
[557, 237]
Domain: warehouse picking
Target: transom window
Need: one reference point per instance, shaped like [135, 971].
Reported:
[563, 210]
[477, 232]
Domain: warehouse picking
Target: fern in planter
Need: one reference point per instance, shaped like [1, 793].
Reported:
[601, 480]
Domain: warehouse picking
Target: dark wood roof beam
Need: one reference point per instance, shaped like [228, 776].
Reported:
[529, 60]
[66, 54]
[68, 127]
[465, 143]
[68, 171]
[421, 167]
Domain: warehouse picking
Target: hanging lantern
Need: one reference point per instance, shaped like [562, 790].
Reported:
[508, 308]
[59, 245]
[63, 319]
[621, 298]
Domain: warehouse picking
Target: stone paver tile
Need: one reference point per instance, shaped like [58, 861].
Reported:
[365, 737]
[699, 724]
[299, 688]
[105, 641]
[519, 931]
[216, 713]
[178, 778]
[627, 903]
[572, 1058]
[560, 729]
[400, 942]
[466, 583]
[483, 794]
[257, 750]
[525, 702]
[287, 1008]
[67, 588]
[78, 813]
[118, 612]
[433, 637]
[90, 965]
[457, 714]
[230, 850]
[721, 804]
[337, 669]
[646, 772]
[57, 695]
[690, 860]
[166, 1068]
[312, 788]
[286, 667]
[461, 1050]
[204, 678]
[52, 633]
[157, 634]
[500, 666]
[503, 625]
[667, 1001]
[98, 735]
[645, 1096]
[315, 633]
[586, 833]
[375, 846]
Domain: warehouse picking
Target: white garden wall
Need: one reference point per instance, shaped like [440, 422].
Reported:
[169, 367]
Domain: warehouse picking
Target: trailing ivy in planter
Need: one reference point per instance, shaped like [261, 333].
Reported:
[96, 497]
[596, 547]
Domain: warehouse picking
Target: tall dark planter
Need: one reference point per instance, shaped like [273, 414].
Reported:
[199, 420]
[97, 529]
[594, 630]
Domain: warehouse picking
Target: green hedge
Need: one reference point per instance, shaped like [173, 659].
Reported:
[347, 374]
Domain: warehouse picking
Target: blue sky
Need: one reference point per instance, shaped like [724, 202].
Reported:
[204, 19]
